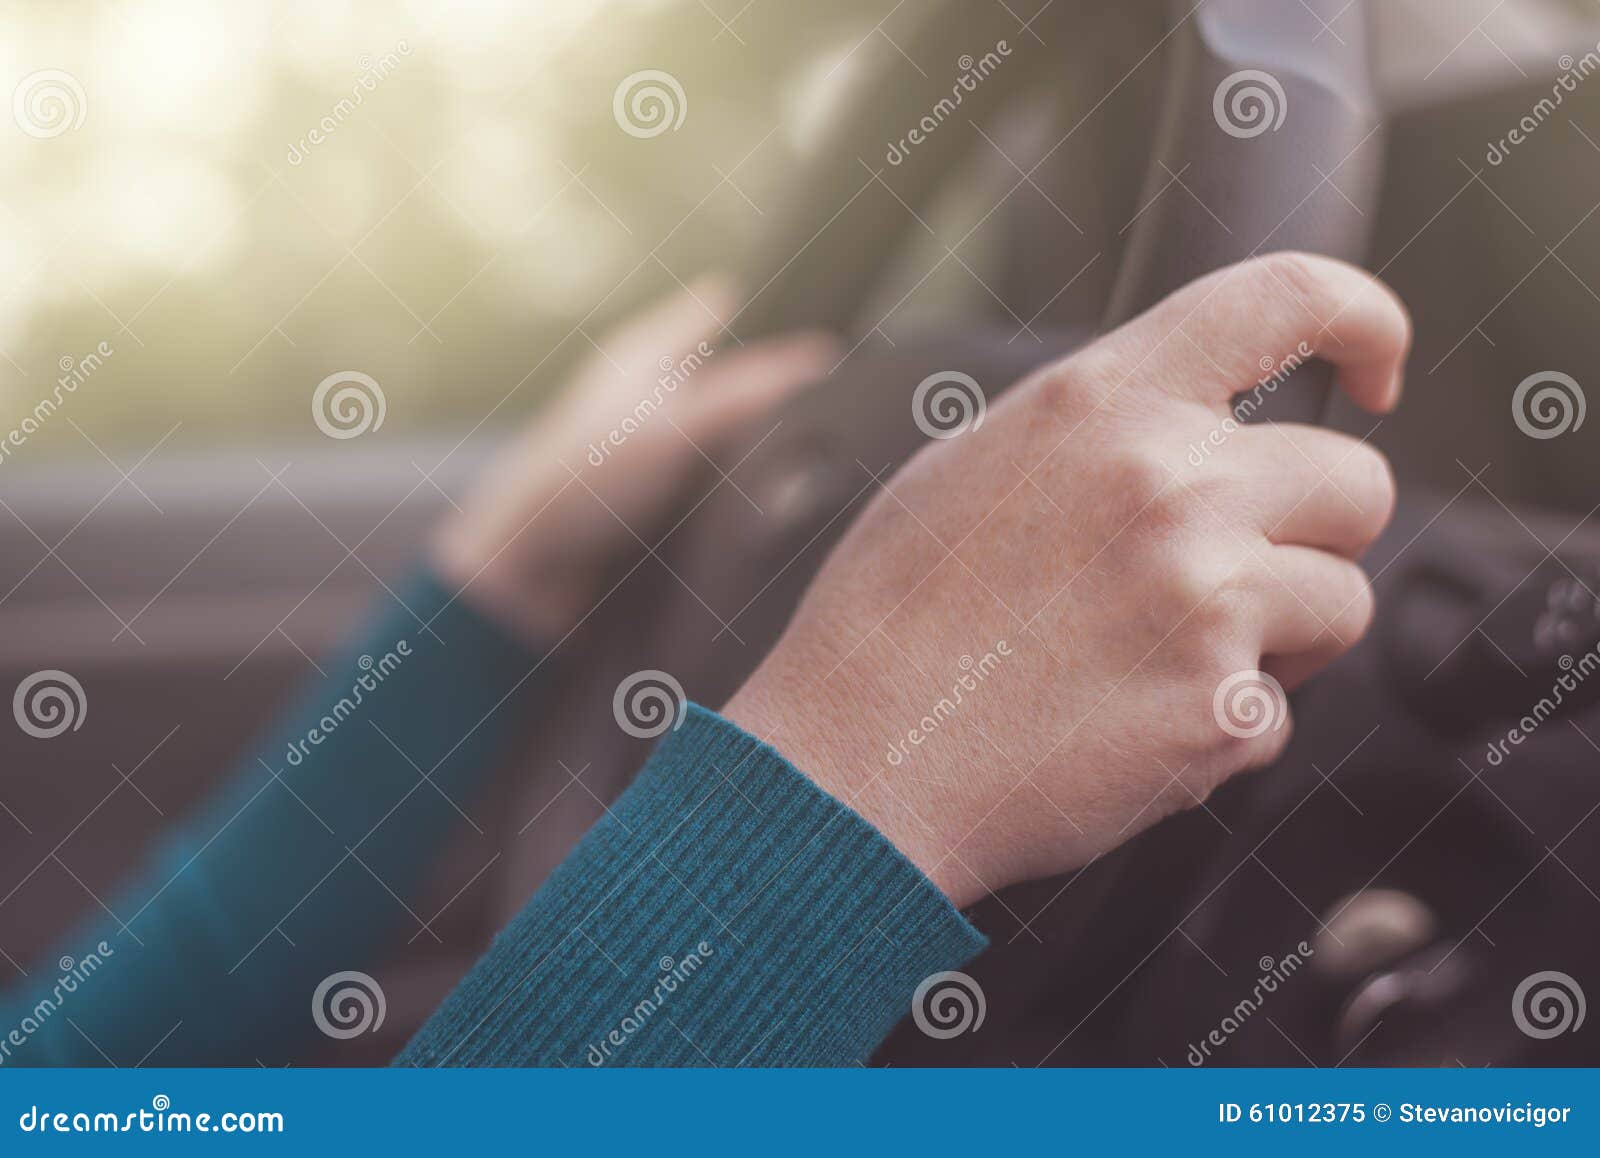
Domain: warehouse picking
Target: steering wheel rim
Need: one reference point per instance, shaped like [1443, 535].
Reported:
[1267, 138]
[1265, 101]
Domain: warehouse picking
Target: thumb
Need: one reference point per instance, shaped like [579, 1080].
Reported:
[671, 327]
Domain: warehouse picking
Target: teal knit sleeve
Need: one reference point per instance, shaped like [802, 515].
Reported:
[726, 911]
[296, 866]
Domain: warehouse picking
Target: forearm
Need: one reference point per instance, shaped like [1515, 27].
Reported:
[726, 911]
[298, 864]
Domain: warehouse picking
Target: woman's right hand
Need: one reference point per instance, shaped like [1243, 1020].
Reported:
[1049, 632]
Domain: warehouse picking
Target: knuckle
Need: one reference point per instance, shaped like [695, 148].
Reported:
[1095, 363]
[1359, 605]
[1207, 595]
[1145, 489]
[1165, 509]
[1405, 326]
[1072, 388]
[1300, 273]
[1377, 487]
[1222, 492]
[1347, 609]
[1262, 750]
[1246, 706]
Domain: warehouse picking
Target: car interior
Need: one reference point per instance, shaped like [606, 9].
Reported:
[1094, 164]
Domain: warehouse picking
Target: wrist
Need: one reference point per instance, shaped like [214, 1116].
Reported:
[827, 727]
[534, 608]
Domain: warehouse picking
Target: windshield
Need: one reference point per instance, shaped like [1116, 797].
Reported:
[207, 209]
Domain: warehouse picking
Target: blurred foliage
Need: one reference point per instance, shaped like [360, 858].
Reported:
[458, 234]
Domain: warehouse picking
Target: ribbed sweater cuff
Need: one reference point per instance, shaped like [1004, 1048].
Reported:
[726, 911]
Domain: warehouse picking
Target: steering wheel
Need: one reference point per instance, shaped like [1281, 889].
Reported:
[1262, 135]
[1266, 138]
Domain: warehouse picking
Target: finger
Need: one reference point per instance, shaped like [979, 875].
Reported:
[650, 342]
[1250, 324]
[1251, 705]
[1265, 749]
[1314, 487]
[1316, 605]
[741, 385]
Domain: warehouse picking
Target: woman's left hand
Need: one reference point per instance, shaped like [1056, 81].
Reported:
[575, 499]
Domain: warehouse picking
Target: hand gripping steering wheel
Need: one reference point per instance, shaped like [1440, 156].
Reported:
[1261, 134]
